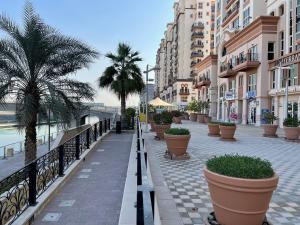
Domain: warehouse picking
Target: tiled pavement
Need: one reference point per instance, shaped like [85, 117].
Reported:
[93, 195]
[189, 189]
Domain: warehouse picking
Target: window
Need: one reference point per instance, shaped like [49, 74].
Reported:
[291, 31]
[222, 90]
[281, 10]
[232, 85]
[219, 22]
[241, 81]
[200, 14]
[298, 20]
[251, 82]
[271, 50]
[183, 98]
[246, 17]
[281, 36]
[273, 79]
[200, 5]
[207, 13]
[292, 109]
[272, 13]
[235, 23]
[207, 4]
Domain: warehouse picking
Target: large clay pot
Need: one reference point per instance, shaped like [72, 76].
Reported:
[177, 144]
[227, 132]
[292, 133]
[200, 118]
[270, 130]
[177, 120]
[240, 201]
[193, 117]
[160, 129]
[213, 129]
[207, 119]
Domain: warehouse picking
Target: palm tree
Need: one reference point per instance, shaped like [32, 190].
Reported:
[35, 67]
[124, 76]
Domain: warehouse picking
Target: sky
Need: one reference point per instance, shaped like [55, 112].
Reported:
[102, 25]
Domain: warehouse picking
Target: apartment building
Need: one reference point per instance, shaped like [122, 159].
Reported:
[187, 41]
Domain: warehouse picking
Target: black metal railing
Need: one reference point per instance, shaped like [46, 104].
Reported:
[145, 191]
[21, 189]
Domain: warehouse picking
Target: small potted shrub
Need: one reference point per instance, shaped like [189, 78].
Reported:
[241, 188]
[194, 107]
[270, 128]
[227, 131]
[213, 128]
[177, 140]
[162, 122]
[291, 128]
[176, 116]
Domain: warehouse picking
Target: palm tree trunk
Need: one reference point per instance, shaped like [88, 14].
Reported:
[123, 111]
[30, 141]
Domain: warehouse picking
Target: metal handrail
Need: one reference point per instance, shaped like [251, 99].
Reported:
[145, 191]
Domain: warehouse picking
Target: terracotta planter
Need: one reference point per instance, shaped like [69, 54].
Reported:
[160, 129]
[227, 132]
[240, 201]
[207, 119]
[292, 133]
[177, 120]
[213, 129]
[186, 116]
[200, 118]
[270, 130]
[193, 117]
[177, 144]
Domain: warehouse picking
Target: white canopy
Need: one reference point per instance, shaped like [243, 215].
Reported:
[158, 102]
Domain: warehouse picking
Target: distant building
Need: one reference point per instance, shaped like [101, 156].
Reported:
[150, 94]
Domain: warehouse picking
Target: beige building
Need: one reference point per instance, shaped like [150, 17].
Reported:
[187, 41]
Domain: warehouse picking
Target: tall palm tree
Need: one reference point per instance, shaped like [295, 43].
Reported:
[35, 67]
[124, 76]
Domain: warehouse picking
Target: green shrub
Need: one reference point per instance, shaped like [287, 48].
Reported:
[163, 118]
[214, 122]
[240, 167]
[130, 112]
[193, 106]
[178, 131]
[176, 113]
[269, 117]
[291, 122]
[227, 124]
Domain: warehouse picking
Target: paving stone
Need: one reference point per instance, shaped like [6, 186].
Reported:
[52, 217]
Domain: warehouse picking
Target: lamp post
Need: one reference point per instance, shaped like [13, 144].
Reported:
[286, 88]
[156, 68]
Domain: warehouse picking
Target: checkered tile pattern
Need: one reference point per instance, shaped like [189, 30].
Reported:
[189, 189]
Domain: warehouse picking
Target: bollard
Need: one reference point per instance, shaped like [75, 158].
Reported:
[100, 128]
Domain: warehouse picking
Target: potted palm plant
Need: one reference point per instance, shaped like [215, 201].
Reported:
[194, 107]
[241, 188]
[162, 122]
[291, 128]
[213, 128]
[177, 140]
[227, 131]
[270, 128]
[177, 116]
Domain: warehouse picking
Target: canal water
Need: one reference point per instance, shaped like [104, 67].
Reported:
[12, 137]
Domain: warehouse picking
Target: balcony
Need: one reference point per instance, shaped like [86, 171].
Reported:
[196, 26]
[204, 81]
[184, 92]
[229, 3]
[193, 63]
[197, 35]
[197, 45]
[226, 70]
[196, 54]
[230, 14]
[246, 62]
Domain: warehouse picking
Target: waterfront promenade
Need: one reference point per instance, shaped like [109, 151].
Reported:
[188, 188]
[93, 194]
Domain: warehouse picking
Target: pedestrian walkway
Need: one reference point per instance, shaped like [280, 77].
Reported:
[12, 164]
[93, 195]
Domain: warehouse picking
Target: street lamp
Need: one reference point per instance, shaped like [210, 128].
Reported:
[156, 68]
[286, 87]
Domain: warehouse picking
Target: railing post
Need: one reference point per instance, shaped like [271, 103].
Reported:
[61, 163]
[88, 138]
[77, 147]
[108, 126]
[32, 183]
[105, 125]
[100, 128]
[4, 152]
[95, 132]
